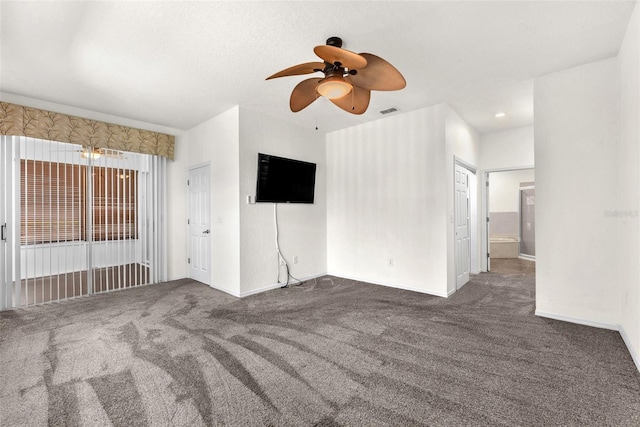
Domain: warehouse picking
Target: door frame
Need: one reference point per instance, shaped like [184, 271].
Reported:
[484, 208]
[189, 169]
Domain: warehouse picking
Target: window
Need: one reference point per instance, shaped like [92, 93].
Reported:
[114, 204]
[51, 205]
[54, 201]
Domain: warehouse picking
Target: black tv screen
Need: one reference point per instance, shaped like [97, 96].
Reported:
[283, 180]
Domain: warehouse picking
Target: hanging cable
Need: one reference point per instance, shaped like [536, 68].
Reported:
[280, 257]
[279, 252]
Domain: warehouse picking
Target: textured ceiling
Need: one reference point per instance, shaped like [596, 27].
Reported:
[179, 63]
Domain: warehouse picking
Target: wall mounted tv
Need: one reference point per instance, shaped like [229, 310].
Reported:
[283, 180]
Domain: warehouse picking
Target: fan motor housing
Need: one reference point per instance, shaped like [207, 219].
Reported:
[333, 71]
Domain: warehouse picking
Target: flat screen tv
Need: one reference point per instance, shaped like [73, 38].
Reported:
[283, 180]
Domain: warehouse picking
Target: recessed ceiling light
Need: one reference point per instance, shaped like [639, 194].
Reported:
[500, 115]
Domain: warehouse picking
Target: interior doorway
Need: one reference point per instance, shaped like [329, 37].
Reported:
[510, 220]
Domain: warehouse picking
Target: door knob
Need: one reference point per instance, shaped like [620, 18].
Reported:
[205, 232]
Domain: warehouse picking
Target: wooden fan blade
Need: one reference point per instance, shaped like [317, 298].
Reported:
[304, 94]
[296, 70]
[378, 75]
[355, 102]
[345, 58]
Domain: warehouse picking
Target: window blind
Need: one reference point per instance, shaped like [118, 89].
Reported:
[52, 203]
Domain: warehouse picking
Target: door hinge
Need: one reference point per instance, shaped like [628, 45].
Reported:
[487, 219]
[188, 260]
[190, 184]
[4, 231]
[188, 221]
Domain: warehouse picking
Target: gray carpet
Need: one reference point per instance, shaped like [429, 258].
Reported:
[328, 353]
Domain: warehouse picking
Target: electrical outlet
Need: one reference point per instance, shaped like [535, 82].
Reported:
[295, 259]
[390, 262]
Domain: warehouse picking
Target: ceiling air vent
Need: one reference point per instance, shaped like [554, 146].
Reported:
[389, 110]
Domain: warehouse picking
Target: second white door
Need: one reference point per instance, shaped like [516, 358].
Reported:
[462, 243]
[199, 217]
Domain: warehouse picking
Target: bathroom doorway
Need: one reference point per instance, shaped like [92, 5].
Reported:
[510, 231]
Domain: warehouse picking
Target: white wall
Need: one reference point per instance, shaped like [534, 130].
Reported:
[511, 148]
[576, 135]
[386, 200]
[215, 142]
[504, 189]
[302, 227]
[390, 198]
[243, 258]
[628, 185]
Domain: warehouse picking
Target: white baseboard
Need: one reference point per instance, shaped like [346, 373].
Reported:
[279, 285]
[397, 286]
[260, 290]
[275, 286]
[634, 355]
[612, 327]
[225, 290]
[618, 328]
[409, 288]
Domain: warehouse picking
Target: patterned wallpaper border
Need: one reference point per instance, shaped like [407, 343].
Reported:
[26, 121]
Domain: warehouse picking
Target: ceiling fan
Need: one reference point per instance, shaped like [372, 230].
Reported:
[87, 152]
[96, 153]
[348, 79]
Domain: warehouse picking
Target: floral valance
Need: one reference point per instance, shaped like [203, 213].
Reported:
[25, 121]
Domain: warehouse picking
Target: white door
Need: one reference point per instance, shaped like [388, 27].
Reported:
[199, 258]
[462, 244]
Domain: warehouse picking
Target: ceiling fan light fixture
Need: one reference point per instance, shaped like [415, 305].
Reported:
[90, 154]
[334, 87]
